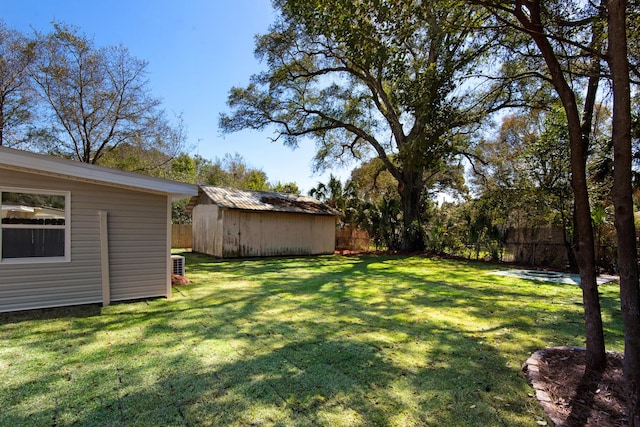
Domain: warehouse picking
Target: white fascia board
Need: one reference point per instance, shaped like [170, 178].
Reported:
[40, 163]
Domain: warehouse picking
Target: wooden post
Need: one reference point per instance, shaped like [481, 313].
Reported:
[104, 258]
[169, 267]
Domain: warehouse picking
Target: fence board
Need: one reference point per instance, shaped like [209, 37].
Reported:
[181, 236]
[353, 239]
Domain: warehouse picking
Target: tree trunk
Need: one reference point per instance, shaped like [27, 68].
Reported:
[623, 203]
[584, 245]
[1, 123]
[584, 250]
[410, 189]
[568, 242]
[528, 13]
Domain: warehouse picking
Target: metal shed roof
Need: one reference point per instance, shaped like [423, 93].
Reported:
[233, 198]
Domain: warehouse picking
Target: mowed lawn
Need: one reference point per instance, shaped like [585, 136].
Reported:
[326, 341]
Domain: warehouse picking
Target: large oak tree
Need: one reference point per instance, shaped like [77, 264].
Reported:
[381, 78]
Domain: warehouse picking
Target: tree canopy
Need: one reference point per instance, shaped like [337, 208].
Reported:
[62, 94]
[16, 91]
[98, 98]
[362, 79]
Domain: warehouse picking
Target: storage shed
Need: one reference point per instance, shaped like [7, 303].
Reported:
[73, 233]
[230, 223]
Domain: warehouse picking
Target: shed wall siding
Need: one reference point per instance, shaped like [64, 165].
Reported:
[231, 233]
[137, 245]
[207, 230]
[278, 234]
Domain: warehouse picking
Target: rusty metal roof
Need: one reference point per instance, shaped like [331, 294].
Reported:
[233, 198]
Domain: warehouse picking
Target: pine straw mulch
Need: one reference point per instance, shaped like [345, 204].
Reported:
[571, 399]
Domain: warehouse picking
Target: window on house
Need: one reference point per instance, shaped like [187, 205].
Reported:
[35, 225]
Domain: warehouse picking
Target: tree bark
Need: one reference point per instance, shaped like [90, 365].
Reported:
[2, 124]
[528, 14]
[584, 247]
[623, 203]
[410, 189]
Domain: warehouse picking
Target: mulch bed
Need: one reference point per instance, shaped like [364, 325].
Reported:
[570, 398]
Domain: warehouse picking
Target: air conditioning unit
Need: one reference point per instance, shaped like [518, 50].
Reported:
[178, 265]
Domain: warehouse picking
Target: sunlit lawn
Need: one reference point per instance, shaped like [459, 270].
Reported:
[333, 341]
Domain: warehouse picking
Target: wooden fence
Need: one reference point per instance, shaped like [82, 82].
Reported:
[542, 246]
[352, 239]
[545, 246]
[181, 236]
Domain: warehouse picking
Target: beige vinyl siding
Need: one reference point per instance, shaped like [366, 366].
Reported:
[137, 227]
[138, 249]
[41, 285]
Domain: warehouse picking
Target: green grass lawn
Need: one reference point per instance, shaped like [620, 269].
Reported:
[330, 341]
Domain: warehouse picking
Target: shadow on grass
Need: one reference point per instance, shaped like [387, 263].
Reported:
[88, 310]
[323, 381]
[395, 292]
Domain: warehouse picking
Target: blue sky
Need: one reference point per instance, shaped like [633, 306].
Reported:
[197, 50]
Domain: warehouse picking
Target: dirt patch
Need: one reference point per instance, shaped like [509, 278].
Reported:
[571, 398]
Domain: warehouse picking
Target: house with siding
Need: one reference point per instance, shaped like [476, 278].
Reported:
[73, 233]
[229, 222]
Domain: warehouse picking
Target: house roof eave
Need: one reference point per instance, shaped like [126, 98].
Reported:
[53, 166]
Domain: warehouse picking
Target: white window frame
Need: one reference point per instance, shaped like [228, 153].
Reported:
[66, 227]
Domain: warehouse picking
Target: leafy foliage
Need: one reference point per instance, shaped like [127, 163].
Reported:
[90, 100]
[230, 171]
[17, 104]
[381, 79]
